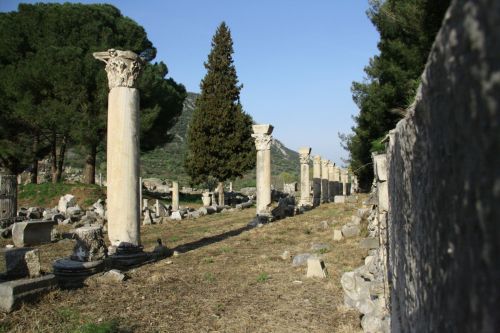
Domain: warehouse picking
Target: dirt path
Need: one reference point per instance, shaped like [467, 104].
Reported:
[226, 279]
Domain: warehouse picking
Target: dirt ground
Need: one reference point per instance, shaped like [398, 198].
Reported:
[227, 278]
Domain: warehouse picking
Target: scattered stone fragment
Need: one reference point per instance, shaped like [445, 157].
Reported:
[113, 276]
[323, 225]
[65, 202]
[176, 215]
[316, 268]
[350, 231]
[300, 259]
[337, 235]
[286, 255]
[176, 254]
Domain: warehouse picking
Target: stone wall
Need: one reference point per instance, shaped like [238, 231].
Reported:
[444, 183]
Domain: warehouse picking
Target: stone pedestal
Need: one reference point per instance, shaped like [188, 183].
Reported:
[316, 180]
[324, 181]
[175, 196]
[262, 136]
[220, 192]
[33, 232]
[305, 190]
[123, 199]
[87, 258]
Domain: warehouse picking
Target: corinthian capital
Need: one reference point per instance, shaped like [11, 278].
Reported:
[123, 67]
[262, 141]
[304, 154]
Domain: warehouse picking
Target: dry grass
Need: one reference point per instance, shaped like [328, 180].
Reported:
[226, 279]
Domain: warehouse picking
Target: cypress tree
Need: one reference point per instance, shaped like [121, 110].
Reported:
[220, 145]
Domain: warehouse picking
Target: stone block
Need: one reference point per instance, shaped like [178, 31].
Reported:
[316, 268]
[350, 231]
[12, 293]
[21, 262]
[339, 199]
[65, 202]
[33, 232]
[177, 216]
[337, 235]
[300, 259]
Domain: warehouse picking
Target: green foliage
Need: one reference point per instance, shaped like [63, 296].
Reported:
[43, 195]
[219, 137]
[54, 92]
[263, 277]
[407, 30]
[104, 327]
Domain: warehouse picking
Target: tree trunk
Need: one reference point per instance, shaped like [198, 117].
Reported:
[34, 163]
[53, 160]
[89, 169]
[60, 161]
[8, 196]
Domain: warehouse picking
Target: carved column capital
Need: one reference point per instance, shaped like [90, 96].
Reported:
[123, 67]
[317, 160]
[304, 154]
[262, 141]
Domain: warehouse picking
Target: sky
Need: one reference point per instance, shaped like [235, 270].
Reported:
[296, 59]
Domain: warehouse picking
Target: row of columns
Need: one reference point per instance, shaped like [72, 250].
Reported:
[328, 180]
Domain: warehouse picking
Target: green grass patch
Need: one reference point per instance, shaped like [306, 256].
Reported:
[104, 327]
[263, 277]
[209, 277]
[48, 194]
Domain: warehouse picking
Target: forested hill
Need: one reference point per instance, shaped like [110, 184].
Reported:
[167, 161]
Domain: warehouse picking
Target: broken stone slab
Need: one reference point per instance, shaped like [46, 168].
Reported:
[339, 199]
[21, 262]
[89, 245]
[34, 232]
[99, 208]
[350, 231]
[337, 235]
[316, 268]
[12, 293]
[194, 215]
[176, 216]
[244, 205]
[300, 259]
[369, 243]
[66, 201]
[113, 276]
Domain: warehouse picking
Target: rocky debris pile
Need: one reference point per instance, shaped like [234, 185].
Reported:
[365, 288]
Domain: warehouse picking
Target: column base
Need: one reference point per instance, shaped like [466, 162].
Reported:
[260, 220]
[128, 256]
[72, 273]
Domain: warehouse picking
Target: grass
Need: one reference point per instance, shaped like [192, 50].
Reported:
[263, 277]
[47, 195]
[222, 275]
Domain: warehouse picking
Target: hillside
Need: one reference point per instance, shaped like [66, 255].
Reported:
[167, 161]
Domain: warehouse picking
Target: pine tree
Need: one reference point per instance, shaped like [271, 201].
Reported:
[220, 145]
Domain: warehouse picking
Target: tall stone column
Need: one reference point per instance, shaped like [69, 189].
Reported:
[331, 182]
[305, 190]
[123, 69]
[316, 180]
[262, 136]
[344, 180]
[175, 196]
[324, 181]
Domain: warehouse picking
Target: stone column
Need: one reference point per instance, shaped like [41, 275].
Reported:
[220, 191]
[305, 190]
[344, 180]
[331, 182]
[175, 196]
[316, 180]
[262, 136]
[324, 181]
[123, 69]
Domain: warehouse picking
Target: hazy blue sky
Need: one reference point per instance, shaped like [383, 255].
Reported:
[295, 58]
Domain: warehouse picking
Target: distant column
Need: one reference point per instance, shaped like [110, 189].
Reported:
[324, 181]
[123, 69]
[262, 136]
[316, 180]
[175, 196]
[305, 190]
[344, 179]
[331, 182]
